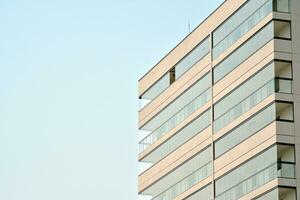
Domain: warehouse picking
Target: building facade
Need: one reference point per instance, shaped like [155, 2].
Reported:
[220, 113]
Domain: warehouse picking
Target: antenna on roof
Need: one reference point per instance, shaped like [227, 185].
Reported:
[189, 26]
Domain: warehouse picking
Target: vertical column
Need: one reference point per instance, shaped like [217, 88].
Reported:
[212, 116]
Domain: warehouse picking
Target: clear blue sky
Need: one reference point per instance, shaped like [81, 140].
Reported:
[68, 91]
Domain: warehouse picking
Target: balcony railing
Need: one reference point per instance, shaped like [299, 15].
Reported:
[175, 120]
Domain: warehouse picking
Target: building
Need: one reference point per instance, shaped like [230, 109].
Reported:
[220, 116]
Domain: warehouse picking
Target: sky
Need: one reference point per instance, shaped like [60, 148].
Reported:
[69, 74]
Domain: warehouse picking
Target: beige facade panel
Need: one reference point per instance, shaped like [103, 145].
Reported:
[285, 139]
[287, 182]
[200, 33]
[284, 97]
[175, 90]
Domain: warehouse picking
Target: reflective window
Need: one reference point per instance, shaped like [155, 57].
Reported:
[244, 106]
[253, 91]
[286, 161]
[284, 77]
[246, 96]
[157, 88]
[192, 58]
[253, 174]
[245, 130]
[243, 52]
[186, 183]
[236, 19]
[244, 90]
[202, 194]
[195, 55]
[181, 137]
[258, 163]
[186, 104]
[183, 177]
[239, 24]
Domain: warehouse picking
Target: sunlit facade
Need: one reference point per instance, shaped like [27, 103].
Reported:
[220, 114]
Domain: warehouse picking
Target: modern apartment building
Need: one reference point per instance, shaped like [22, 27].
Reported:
[220, 114]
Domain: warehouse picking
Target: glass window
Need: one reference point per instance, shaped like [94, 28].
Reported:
[245, 130]
[202, 194]
[244, 106]
[173, 114]
[201, 50]
[181, 137]
[246, 96]
[195, 55]
[231, 181]
[183, 177]
[244, 90]
[252, 174]
[157, 88]
[284, 77]
[241, 22]
[243, 52]
[258, 9]
[186, 183]
[236, 19]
